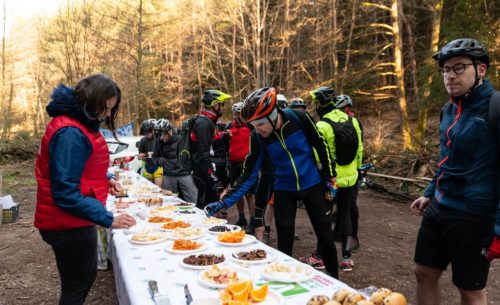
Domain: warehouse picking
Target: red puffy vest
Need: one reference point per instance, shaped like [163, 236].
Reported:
[239, 143]
[94, 182]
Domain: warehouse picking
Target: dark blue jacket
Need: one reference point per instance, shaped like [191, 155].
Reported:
[468, 172]
[69, 150]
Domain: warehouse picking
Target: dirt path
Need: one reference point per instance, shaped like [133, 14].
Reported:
[387, 234]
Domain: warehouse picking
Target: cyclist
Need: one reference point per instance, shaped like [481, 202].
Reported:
[344, 103]
[202, 134]
[176, 178]
[151, 171]
[334, 125]
[284, 135]
[298, 104]
[460, 204]
[239, 138]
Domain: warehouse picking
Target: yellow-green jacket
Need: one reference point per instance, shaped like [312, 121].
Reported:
[347, 175]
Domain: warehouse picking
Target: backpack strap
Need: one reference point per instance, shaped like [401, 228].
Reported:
[494, 112]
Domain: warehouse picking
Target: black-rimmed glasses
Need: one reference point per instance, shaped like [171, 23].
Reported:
[458, 69]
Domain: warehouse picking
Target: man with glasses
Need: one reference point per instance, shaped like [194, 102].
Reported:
[460, 204]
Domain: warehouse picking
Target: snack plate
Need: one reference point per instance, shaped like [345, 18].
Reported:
[188, 266]
[149, 242]
[289, 277]
[248, 239]
[225, 225]
[171, 244]
[170, 230]
[220, 222]
[171, 236]
[243, 275]
[269, 258]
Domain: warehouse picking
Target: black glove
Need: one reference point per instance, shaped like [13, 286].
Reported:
[162, 162]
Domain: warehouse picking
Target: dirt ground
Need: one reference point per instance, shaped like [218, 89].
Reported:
[388, 230]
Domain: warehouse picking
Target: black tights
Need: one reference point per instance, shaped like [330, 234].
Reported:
[76, 259]
[285, 210]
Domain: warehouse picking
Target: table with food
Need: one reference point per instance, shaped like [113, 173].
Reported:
[176, 254]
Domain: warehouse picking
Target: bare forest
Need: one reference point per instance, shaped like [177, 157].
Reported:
[163, 54]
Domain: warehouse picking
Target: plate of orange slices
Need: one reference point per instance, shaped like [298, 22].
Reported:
[245, 292]
[234, 239]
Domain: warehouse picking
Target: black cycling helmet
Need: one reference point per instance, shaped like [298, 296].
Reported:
[297, 102]
[147, 126]
[468, 47]
[323, 96]
[162, 126]
[259, 104]
[212, 97]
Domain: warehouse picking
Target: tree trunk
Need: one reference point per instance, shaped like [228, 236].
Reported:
[399, 72]
[424, 105]
[348, 49]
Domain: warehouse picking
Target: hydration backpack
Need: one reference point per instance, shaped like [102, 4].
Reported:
[346, 140]
[184, 144]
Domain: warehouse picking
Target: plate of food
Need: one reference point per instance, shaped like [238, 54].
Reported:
[220, 277]
[184, 246]
[252, 257]
[189, 212]
[160, 219]
[234, 239]
[170, 226]
[287, 272]
[246, 293]
[187, 233]
[212, 221]
[223, 228]
[164, 209]
[184, 204]
[147, 237]
[151, 201]
[202, 261]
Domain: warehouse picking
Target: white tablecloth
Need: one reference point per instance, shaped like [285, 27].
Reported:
[134, 265]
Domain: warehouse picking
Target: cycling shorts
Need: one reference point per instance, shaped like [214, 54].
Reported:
[451, 236]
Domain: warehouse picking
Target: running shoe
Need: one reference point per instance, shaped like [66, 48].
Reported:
[313, 261]
[346, 264]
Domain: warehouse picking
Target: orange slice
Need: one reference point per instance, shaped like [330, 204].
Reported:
[259, 295]
[237, 288]
[225, 297]
[241, 296]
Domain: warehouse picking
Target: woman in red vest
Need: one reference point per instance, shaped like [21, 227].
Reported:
[71, 171]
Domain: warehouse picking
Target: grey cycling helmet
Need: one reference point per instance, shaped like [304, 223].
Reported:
[342, 101]
[467, 47]
[237, 107]
[162, 126]
[297, 102]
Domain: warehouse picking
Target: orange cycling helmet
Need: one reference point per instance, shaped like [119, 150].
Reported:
[259, 104]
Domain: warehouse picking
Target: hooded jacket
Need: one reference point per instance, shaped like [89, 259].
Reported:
[71, 168]
[468, 172]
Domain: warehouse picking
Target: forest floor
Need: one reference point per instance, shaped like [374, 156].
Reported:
[388, 230]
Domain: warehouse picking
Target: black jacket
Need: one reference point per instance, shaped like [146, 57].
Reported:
[165, 155]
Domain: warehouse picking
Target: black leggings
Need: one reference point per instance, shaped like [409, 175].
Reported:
[345, 200]
[285, 209]
[76, 259]
[205, 185]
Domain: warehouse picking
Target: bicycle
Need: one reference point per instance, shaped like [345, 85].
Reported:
[363, 172]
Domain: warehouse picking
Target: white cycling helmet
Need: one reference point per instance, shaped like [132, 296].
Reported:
[282, 101]
[342, 101]
[237, 107]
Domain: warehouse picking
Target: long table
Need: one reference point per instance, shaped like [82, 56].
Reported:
[134, 265]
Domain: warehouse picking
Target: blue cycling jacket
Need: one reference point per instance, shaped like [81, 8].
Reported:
[467, 178]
